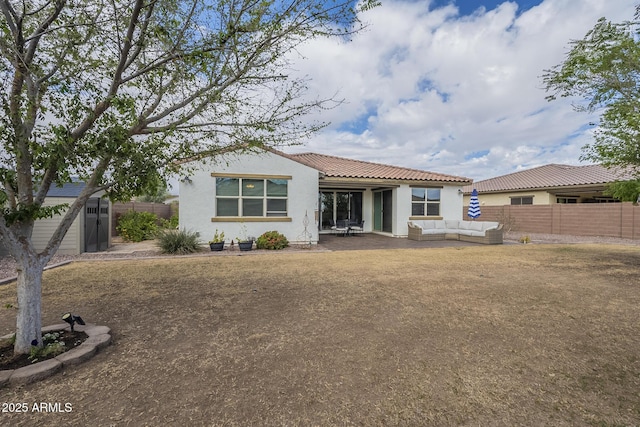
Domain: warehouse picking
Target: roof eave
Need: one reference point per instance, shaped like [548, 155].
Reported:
[387, 181]
[596, 186]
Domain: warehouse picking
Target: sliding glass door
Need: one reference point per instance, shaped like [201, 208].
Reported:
[383, 211]
[339, 205]
[327, 203]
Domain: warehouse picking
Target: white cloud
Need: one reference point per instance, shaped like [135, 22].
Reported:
[433, 90]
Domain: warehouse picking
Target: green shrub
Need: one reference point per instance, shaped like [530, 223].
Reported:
[171, 223]
[179, 242]
[51, 346]
[137, 226]
[272, 240]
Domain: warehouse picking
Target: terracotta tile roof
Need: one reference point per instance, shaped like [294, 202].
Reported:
[341, 167]
[549, 176]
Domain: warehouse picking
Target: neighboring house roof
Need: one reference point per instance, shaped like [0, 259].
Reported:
[340, 167]
[550, 176]
[69, 189]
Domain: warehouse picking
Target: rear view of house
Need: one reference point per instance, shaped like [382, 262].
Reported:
[304, 195]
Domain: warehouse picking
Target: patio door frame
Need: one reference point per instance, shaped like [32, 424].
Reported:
[383, 210]
[351, 213]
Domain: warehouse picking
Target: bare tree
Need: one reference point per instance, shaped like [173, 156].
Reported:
[115, 91]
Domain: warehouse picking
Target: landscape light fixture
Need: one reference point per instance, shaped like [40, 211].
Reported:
[72, 320]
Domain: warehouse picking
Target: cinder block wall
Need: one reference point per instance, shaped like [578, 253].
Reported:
[587, 219]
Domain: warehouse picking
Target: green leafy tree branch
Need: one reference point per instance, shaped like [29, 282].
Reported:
[602, 71]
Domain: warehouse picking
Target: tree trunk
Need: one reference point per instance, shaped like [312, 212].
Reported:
[29, 320]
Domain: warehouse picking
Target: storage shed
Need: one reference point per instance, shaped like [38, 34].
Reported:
[91, 230]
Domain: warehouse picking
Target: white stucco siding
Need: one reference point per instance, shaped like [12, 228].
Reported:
[367, 210]
[401, 210]
[198, 198]
[451, 202]
[540, 197]
[450, 206]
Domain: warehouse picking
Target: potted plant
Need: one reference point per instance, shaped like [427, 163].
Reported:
[245, 242]
[525, 239]
[217, 243]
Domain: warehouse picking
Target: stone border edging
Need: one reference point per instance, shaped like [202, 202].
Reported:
[98, 337]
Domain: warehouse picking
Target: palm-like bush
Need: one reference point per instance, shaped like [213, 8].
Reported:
[179, 242]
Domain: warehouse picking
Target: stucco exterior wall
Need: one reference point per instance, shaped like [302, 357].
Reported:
[367, 210]
[501, 199]
[451, 202]
[401, 210]
[198, 198]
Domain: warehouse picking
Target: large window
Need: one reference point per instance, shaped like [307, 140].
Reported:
[425, 201]
[251, 197]
[526, 200]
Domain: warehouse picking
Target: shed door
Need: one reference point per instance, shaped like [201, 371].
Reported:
[96, 220]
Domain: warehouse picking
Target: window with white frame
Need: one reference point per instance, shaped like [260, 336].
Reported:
[425, 201]
[251, 197]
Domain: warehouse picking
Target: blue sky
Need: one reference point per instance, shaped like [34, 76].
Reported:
[468, 7]
[454, 86]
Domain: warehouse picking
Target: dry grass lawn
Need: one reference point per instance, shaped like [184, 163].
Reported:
[506, 335]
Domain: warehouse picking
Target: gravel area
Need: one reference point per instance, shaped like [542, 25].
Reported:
[563, 238]
[147, 249]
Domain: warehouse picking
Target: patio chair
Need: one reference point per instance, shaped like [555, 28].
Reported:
[357, 227]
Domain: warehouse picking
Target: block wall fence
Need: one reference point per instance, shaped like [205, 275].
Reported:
[586, 219]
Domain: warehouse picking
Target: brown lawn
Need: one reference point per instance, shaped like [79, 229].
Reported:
[506, 335]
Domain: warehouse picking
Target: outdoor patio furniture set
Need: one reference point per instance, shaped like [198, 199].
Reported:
[486, 232]
[347, 228]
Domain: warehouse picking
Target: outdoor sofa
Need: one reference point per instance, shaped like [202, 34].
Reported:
[487, 232]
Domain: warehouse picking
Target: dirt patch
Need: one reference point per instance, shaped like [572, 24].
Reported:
[507, 335]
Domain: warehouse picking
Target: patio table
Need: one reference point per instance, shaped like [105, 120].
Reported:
[343, 228]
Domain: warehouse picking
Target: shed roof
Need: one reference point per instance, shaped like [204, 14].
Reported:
[69, 189]
[340, 167]
[550, 176]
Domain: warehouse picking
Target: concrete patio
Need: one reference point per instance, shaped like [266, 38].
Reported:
[379, 241]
